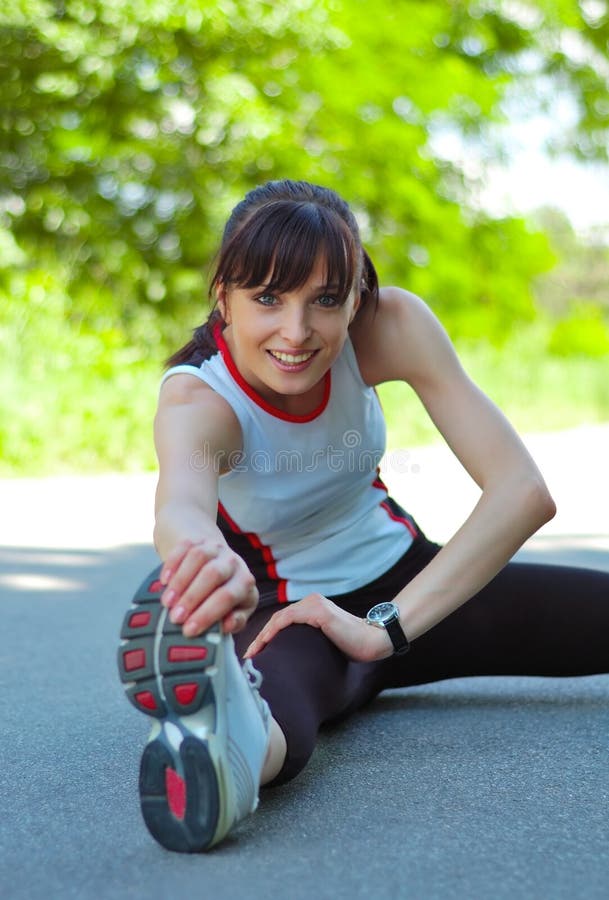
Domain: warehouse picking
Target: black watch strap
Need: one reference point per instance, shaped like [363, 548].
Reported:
[398, 638]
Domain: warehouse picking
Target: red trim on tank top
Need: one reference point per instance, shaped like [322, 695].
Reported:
[255, 396]
[377, 483]
[264, 550]
[401, 519]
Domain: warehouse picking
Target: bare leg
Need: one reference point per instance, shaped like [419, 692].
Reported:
[276, 753]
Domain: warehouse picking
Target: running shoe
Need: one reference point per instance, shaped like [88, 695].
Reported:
[200, 770]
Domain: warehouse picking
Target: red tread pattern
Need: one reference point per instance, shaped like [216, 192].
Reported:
[186, 654]
[134, 659]
[140, 619]
[185, 693]
[146, 699]
[175, 789]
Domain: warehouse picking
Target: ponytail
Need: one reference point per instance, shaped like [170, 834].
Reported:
[369, 282]
[202, 345]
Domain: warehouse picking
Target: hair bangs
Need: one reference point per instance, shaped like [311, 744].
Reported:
[280, 245]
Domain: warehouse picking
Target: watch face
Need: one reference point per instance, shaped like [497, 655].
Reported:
[381, 612]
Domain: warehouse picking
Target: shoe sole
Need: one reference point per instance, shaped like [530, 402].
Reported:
[169, 678]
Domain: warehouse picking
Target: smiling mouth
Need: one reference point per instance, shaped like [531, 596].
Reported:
[292, 359]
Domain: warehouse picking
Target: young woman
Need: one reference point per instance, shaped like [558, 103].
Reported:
[278, 539]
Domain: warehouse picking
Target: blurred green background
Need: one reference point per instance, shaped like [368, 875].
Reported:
[129, 130]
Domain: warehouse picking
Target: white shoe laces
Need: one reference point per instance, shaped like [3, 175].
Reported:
[252, 674]
[254, 679]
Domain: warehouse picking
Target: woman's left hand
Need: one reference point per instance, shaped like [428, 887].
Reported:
[357, 640]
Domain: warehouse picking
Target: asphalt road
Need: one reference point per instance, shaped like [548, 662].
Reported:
[469, 789]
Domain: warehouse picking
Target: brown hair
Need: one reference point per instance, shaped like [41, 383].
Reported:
[274, 237]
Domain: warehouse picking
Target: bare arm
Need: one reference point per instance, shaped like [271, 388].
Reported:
[514, 502]
[404, 341]
[195, 431]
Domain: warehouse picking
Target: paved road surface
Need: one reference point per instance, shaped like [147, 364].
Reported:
[475, 788]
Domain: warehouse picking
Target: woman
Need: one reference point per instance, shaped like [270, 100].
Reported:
[278, 538]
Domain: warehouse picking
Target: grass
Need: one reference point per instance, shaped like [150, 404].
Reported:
[78, 423]
[79, 403]
[537, 391]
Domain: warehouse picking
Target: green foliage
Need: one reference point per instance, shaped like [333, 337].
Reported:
[581, 272]
[537, 392]
[70, 397]
[129, 130]
[583, 332]
[574, 292]
[125, 126]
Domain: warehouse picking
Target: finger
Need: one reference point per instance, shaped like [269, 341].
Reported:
[304, 612]
[237, 620]
[209, 577]
[173, 560]
[234, 621]
[278, 622]
[172, 563]
[231, 598]
[185, 576]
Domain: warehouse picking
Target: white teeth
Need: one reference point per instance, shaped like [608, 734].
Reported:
[289, 358]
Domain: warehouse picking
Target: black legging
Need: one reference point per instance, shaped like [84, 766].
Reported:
[530, 619]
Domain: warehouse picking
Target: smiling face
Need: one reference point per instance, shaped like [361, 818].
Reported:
[284, 341]
[287, 285]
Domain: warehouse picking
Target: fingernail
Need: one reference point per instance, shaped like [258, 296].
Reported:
[190, 629]
[165, 576]
[168, 598]
[177, 615]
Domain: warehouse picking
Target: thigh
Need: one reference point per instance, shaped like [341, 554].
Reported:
[306, 681]
[531, 619]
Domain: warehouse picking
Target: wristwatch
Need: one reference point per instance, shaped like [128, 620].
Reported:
[387, 616]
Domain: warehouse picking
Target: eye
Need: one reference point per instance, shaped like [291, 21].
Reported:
[327, 301]
[266, 299]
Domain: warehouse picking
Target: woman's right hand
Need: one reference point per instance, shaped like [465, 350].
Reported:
[207, 582]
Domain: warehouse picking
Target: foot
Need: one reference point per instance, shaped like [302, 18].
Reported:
[200, 770]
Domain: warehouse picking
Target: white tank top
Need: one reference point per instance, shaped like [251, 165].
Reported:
[303, 503]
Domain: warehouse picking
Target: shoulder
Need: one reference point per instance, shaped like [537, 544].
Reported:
[191, 412]
[401, 341]
[183, 388]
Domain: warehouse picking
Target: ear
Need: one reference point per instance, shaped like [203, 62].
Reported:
[222, 301]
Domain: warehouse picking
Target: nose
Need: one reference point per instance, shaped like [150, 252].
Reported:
[295, 327]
